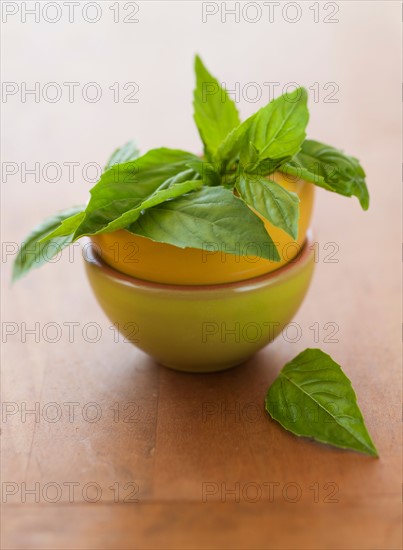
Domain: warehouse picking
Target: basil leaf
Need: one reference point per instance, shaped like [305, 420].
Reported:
[208, 171]
[278, 130]
[34, 253]
[215, 113]
[312, 397]
[126, 153]
[125, 186]
[229, 149]
[331, 169]
[267, 166]
[160, 196]
[211, 215]
[270, 136]
[67, 227]
[303, 168]
[272, 201]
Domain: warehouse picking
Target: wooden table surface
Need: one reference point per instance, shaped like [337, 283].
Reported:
[123, 453]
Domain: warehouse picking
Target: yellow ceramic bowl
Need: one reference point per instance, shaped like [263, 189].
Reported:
[163, 263]
[202, 328]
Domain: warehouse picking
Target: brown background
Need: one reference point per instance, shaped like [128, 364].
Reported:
[171, 448]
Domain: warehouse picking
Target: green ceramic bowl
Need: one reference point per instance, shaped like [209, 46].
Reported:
[202, 328]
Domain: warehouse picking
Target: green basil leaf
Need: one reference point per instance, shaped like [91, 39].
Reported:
[160, 196]
[253, 154]
[266, 167]
[331, 169]
[67, 227]
[272, 201]
[211, 215]
[215, 113]
[229, 150]
[268, 137]
[312, 397]
[124, 154]
[35, 252]
[208, 171]
[278, 129]
[125, 186]
[303, 168]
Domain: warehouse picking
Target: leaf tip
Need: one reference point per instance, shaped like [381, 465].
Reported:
[364, 202]
[16, 273]
[198, 63]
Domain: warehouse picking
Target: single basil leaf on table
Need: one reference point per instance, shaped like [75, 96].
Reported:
[331, 169]
[210, 215]
[278, 129]
[312, 397]
[215, 113]
[35, 251]
[272, 201]
[125, 186]
[124, 154]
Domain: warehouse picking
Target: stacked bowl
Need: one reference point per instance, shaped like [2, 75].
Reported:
[202, 310]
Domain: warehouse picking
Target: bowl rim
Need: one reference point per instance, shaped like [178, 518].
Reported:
[92, 258]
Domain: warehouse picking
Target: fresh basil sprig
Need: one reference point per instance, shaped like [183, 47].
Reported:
[139, 193]
[329, 168]
[312, 397]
